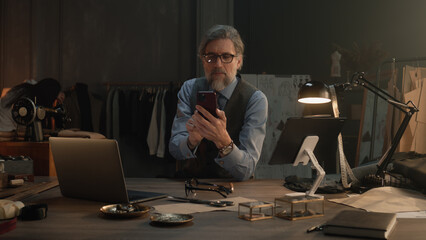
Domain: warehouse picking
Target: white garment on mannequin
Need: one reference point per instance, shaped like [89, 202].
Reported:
[335, 64]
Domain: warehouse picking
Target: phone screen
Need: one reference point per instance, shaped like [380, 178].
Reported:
[207, 99]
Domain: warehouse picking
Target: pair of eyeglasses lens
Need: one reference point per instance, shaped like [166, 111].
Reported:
[190, 191]
[193, 185]
[212, 58]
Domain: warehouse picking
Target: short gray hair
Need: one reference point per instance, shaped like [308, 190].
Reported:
[222, 32]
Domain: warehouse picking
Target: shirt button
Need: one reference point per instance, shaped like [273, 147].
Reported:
[221, 162]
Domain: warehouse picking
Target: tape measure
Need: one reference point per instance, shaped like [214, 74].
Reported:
[345, 168]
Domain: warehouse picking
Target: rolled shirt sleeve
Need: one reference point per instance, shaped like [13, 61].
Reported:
[178, 147]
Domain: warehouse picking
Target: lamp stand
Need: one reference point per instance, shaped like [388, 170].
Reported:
[387, 157]
[407, 109]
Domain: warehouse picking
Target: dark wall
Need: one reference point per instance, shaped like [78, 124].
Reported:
[46, 27]
[98, 41]
[16, 45]
[297, 36]
[127, 41]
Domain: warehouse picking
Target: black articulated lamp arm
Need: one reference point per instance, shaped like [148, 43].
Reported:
[359, 79]
[407, 108]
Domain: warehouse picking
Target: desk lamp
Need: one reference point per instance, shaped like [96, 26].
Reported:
[314, 92]
[408, 109]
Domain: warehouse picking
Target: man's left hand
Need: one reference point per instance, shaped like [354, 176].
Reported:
[212, 128]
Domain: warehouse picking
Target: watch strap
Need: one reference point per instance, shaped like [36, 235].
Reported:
[229, 146]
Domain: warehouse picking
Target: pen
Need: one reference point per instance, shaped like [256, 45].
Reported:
[315, 228]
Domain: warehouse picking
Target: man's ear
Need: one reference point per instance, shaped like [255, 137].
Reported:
[240, 62]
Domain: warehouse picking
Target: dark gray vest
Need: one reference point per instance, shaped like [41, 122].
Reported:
[204, 165]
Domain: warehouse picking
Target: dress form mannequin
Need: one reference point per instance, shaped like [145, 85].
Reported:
[335, 64]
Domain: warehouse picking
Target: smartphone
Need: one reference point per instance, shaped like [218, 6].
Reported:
[208, 100]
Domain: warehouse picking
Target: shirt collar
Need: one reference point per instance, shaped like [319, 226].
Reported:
[228, 90]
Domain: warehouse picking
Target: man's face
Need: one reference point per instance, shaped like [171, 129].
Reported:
[219, 74]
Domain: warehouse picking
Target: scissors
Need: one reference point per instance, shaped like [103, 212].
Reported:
[199, 201]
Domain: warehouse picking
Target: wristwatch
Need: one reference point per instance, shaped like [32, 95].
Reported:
[227, 149]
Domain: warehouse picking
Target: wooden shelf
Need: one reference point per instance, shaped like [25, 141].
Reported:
[39, 152]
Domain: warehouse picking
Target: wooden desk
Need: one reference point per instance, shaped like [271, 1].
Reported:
[79, 219]
[39, 152]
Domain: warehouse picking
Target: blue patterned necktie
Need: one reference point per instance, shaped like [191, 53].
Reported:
[221, 101]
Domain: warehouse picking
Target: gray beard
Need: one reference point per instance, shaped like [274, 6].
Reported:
[219, 85]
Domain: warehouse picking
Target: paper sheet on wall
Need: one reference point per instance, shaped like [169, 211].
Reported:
[419, 141]
[407, 142]
[412, 77]
[188, 208]
[421, 115]
[386, 199]
[415, 76]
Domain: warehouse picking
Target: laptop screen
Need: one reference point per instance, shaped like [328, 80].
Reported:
[91, 169]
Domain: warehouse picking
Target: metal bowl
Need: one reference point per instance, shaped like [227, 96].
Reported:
[124, 210]
[171, 218]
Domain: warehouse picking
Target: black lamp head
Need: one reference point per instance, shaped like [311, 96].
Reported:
[314, 92]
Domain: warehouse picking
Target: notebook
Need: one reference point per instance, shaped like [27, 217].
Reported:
[91, 169]
[361, 224]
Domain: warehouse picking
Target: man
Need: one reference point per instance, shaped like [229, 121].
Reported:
[228, 146]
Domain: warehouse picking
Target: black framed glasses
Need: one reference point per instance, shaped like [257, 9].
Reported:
[193, 185]
[212, 58]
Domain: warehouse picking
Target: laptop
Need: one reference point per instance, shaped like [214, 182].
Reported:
[91, 169]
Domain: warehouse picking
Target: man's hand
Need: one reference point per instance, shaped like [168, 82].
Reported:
[194, 137]
[212, 128]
